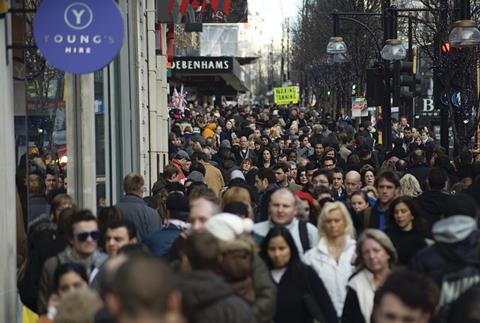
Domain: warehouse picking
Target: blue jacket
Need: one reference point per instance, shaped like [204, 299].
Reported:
[161, 241]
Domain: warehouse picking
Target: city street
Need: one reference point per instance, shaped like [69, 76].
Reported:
[269, 161]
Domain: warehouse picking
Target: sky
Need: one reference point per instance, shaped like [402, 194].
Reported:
[274, 12]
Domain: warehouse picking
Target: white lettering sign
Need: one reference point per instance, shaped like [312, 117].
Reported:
[201, 65]
[428, 105]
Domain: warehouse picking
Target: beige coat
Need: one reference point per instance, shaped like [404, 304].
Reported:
[214, 178]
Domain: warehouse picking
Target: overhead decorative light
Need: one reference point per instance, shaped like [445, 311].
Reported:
[465, 33]
[393, 50]
[336, 45]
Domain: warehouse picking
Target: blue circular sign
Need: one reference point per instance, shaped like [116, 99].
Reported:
[459, 99]
[78, 36]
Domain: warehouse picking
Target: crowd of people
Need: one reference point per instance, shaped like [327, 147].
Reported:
[265, 214]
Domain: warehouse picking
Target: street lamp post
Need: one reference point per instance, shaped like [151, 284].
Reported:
[393, 51]
[464, 34]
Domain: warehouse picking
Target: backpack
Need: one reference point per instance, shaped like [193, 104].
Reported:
[303, 230]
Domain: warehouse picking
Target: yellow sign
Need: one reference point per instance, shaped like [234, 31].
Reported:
[286, 95]
[3, 6]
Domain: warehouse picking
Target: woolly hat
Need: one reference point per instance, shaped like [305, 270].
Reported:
[198, 138]
[178, 206]
[237, 174]
[230, 229]
[304, 196]
[196, 176]
[225, 144]
[182, 154]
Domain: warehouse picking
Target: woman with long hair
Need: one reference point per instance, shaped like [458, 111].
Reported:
[302, 178]
[361, 210]
[300, 292]
[246, 165]
[376, 256]
[265, 158]
[68, 277]
[405, 227]
[367, 173]
[332, 257]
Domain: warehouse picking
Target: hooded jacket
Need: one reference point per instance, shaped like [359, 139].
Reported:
[207, 298]
[454, 261]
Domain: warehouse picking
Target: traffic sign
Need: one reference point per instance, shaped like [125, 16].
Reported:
[458, 99]
[444, 99]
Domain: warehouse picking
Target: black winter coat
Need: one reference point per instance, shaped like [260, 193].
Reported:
[407, 243]
[351, 310]
[44, 240]
[421, 173]
[294, 285]
[431, 205]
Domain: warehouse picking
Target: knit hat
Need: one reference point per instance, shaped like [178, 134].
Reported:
[237, 174]
[225, 144]
[304, 196]
[182, 154]
[178, 206]
[196, 176]
[231, 230]
[198, 138]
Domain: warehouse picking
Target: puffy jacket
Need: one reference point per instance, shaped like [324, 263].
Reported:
[333, 274]
[454, 261]
[207, 298]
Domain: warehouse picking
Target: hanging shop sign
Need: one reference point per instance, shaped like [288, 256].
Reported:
[359, 107]
[78, 36]
[286, 95]
[202, 65]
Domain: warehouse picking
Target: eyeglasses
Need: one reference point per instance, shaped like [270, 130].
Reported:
[83, 236]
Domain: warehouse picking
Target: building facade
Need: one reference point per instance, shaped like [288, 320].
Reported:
[91, 130]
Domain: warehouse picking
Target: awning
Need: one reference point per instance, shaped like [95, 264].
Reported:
[209, 75]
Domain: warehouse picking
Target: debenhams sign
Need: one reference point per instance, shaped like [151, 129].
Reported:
[202, 65]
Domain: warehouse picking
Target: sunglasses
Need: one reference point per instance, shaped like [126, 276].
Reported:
[83, 236]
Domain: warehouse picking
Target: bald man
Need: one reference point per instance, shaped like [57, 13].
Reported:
[353, 182]
[283, 211]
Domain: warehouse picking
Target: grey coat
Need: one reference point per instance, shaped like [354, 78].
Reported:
[145, 219]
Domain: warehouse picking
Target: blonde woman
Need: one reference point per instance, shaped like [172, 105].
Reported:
[410, 186]
[376, 256]
[332, 257]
